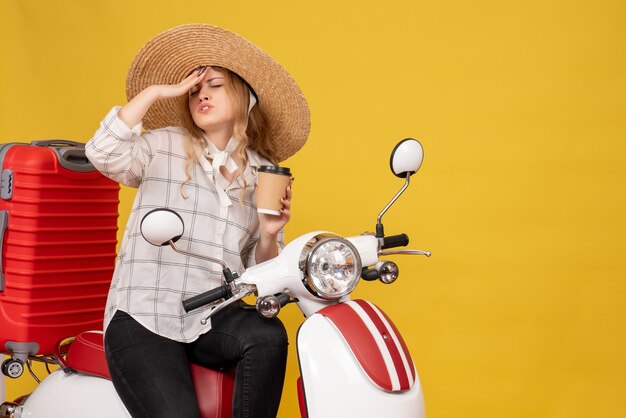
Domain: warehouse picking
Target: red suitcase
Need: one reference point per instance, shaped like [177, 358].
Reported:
[58, 218]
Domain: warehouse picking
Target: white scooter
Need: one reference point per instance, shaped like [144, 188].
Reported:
[353, 361]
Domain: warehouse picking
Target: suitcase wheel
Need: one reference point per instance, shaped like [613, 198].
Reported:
[12, 368]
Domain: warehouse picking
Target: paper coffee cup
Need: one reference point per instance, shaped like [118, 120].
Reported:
[273, 181]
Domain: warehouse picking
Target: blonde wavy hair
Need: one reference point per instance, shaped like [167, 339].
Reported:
[249, 130]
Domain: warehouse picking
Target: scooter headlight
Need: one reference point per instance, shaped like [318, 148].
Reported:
[333, 267]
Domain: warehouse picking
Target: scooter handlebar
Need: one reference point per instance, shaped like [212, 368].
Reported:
[392, 241]
[206, 298]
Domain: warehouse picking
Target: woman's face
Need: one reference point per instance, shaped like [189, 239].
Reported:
[210, 105]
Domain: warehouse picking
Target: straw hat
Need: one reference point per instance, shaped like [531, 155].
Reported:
[172, 55]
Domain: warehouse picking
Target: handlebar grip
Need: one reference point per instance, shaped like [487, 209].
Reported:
[392, 241]
[206, 298]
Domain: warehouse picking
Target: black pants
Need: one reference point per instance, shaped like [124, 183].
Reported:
[151, 373]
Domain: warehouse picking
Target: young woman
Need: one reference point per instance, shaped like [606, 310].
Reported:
[217, 108]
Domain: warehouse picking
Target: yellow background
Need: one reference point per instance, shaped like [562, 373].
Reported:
[520, 108]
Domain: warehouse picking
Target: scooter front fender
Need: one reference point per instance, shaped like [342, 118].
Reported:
[335, 382]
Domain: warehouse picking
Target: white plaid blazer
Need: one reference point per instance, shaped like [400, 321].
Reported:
[150, 282]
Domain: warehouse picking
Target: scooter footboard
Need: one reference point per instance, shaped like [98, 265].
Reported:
[356, 364]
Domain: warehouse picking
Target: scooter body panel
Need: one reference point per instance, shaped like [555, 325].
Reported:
[335, 383]
[74, 396]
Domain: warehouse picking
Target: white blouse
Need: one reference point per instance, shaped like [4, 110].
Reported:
[150, 282]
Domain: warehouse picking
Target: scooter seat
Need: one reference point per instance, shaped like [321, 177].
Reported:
[86, 354]
[214, 389]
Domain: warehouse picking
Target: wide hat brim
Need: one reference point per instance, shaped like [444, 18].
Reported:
[172, 55]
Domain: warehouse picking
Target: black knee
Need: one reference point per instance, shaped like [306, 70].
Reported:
[269, 333]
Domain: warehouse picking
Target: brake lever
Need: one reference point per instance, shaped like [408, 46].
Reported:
[406, 252]
[245, 290]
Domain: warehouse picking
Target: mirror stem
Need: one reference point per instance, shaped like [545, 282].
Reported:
[214, 260]
[380, 232]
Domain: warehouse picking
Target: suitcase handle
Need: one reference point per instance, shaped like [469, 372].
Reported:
[71, 154]
[74, 159]
[52, 142]
[4, 221]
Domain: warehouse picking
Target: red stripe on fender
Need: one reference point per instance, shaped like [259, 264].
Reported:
[407, 354]
[361, 342]
[304, 413]
[389, 343]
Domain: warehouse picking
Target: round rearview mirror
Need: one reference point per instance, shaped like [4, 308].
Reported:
[160, 226]
[406, 157]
